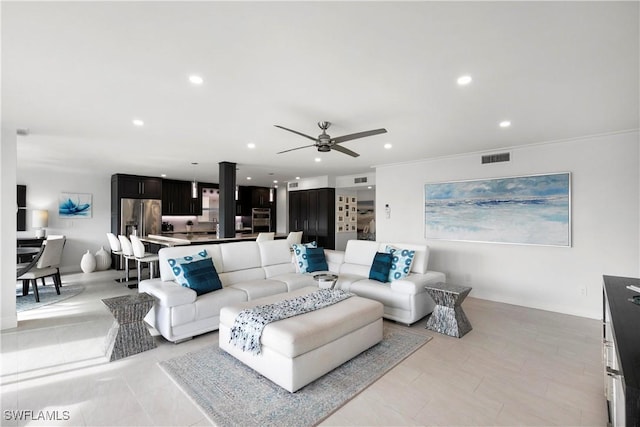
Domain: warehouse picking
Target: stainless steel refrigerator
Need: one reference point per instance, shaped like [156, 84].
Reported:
[140, 217]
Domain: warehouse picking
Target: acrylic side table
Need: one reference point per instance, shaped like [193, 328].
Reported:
[128, 334]
[448, 317]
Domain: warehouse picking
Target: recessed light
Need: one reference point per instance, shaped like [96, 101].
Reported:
[138, 122]
[275, 186]
[297, 177]
[505, 124]
[195, 79]
[248, 178]
[369, 187]
[275, 181]
[251, 145]
[318, 159]
[464, 80]
[388, 146]
[164, 175]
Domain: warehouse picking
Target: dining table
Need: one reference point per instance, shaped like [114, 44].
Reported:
[21, 268]
[26, 254]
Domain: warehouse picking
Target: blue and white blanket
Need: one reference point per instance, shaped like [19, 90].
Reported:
[249, 324]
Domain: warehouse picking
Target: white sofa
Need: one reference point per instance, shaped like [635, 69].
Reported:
[247, 270]
[405, 300]
[250, 270]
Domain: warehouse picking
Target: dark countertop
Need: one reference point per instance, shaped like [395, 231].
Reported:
[625, 323]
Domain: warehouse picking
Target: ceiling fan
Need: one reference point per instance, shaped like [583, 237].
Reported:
[325, 143]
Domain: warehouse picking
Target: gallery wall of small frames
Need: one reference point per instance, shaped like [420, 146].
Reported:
[346, 214]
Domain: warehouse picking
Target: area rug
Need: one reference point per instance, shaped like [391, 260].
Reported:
[232, 394]
[48, 295]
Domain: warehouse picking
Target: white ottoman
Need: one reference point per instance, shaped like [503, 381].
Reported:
[300, 349]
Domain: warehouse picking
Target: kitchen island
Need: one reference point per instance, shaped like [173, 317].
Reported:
[199, 238]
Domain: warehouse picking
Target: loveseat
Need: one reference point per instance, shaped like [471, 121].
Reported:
[250, 270]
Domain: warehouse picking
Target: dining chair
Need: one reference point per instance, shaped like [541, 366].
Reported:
[294, 237]
[116, 249]
[47, 265]
[141, 256]
[127, 253]
[265, 236]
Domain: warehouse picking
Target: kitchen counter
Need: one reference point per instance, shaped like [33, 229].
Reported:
[181, 239]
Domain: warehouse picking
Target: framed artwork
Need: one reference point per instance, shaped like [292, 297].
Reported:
[532, 210]
[75, 205]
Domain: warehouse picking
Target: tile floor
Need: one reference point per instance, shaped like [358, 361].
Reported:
[517, 366]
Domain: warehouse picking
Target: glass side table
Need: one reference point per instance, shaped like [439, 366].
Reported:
[326, 280]
[448, 317]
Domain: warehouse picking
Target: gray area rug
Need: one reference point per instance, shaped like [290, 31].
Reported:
[47, 295]
[232, 394]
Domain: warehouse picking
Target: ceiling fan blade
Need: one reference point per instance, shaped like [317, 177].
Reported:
[297, 148]
[341, 149]
[351, 136]
[296, 132]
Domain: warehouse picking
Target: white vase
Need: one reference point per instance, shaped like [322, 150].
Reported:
[103, 259]
[88, 262]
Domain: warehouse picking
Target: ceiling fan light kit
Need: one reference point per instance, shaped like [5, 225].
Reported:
[324, 143]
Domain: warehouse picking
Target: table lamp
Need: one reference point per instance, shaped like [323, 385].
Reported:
[39, 221]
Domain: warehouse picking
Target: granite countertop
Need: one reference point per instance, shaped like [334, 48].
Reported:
[179, 239]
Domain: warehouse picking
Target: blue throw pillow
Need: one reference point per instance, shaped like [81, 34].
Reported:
[381, 266]
[201, 276]
[401, 265]
[176, 264]
[316, 260]
[300, 251]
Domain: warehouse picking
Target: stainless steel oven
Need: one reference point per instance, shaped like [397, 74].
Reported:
[260, 220]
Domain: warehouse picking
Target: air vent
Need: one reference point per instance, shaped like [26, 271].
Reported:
[496, 158]
[360, 180]
[293, 185]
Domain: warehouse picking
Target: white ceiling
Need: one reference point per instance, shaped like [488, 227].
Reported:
[75, 74]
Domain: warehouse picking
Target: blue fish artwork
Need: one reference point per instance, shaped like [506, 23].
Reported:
[532, 209]
[74, 205]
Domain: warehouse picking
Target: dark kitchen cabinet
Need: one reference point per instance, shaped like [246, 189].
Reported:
[313, 213]
[250, 197]
[244, 201]
[262, 197]
[177, 198]
[137, 187]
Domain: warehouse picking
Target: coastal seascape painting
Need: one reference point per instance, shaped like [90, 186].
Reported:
[75, 205]
[533, 210]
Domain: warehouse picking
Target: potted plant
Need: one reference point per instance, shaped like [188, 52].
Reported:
[189, 226]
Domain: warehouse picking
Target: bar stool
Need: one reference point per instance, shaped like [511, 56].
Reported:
[141, 256]
[116, 249]
[127, 253]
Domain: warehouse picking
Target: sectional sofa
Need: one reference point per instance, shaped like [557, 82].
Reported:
[251, 270]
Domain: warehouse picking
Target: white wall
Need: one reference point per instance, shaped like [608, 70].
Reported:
[43, 190]
[605, 223]
[8, 155]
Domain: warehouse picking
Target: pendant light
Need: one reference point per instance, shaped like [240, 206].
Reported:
[194, 184]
